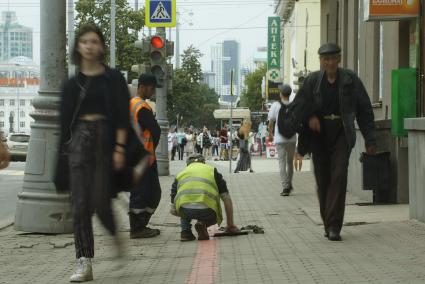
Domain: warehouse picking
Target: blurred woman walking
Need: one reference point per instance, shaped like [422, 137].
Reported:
[94, 122]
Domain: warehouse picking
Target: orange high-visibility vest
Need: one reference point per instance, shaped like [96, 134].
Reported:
[136, 104]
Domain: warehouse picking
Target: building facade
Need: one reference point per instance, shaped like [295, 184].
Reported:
[18, 87]
[15, 39]
[300, 38]
[378, 49]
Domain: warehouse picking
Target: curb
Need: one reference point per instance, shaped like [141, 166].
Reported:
[6, 222]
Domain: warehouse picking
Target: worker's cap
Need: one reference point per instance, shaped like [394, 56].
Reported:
[147, 80]
[198, 158]
[329, 48]
[285, 89]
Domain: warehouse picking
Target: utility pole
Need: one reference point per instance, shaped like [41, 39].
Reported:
[71, 67]
[231, 122]
[161, 116]
[40, 207]
[177, 40]
[112, 51]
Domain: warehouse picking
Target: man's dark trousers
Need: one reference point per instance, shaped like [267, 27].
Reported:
[330, 159]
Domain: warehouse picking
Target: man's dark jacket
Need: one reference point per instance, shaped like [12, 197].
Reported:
[354, 103]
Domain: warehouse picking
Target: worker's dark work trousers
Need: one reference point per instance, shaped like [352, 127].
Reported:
[330, 158]
[147, 194]
[90, 166]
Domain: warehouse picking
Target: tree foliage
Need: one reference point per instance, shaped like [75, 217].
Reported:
[190, 100]
[127, 23]
[252, 97]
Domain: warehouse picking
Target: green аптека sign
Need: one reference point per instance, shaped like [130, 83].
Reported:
[273, 50]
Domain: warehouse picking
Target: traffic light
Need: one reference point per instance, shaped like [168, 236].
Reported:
[157, 58]
[156, 50]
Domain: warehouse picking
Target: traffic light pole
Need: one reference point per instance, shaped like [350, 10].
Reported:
[40, 208]
[161, 116]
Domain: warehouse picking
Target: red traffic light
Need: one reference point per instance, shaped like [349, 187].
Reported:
[157, 42]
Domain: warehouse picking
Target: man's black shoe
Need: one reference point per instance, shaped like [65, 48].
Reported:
[334, 236]
[286, 191]
[326, 234]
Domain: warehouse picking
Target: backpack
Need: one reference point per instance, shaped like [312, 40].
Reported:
[286, 122]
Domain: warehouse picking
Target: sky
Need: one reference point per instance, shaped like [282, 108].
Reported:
[212, 21]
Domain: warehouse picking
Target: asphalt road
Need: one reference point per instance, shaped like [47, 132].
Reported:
[11, 180]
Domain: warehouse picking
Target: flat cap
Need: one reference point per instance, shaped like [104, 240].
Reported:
[329, 48]
[285, 89]
[147, 80]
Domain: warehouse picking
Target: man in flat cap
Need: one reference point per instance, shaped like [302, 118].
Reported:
[144, 199]
[327, 104]
[285, 146]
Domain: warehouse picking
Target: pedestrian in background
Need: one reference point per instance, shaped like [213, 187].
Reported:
[328, 102]
[244, 162]
[4, 154]
[285, 146]
[94, 118]
[190, 147]
[224, 139]
[181, 140]
[144, 199]
[206, 144]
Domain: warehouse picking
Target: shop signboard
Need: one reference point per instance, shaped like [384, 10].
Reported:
[273, 75]
[379, 10]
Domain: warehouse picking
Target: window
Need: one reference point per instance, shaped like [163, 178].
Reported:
[1, 124]
[1, 113]
[1, 102]
[12, 102]
[22, 102]
[22, 124]
[22, 114]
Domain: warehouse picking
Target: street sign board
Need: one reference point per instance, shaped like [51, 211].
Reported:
[160, 13]
[274, 75]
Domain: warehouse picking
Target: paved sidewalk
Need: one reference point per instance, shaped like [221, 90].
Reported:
[383, 247]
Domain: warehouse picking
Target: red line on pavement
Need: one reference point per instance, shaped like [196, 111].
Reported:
[205, 266]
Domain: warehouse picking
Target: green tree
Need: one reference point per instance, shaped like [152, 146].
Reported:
[190, 100]
[127, 23]
[251, 97]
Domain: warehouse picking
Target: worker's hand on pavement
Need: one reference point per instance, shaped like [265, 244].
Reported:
[232, 229]
[298, 162]
[371, 150]
[314, 124]
[4, 156]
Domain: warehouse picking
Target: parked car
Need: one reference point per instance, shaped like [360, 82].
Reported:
[18, 146]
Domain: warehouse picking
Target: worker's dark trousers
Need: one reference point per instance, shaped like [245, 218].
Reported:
[90, 165]
[147, 194]
[330, 158]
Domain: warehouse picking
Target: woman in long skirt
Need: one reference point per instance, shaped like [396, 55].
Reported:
[244, 162]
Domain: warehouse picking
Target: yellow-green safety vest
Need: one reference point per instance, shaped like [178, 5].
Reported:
[196, 184]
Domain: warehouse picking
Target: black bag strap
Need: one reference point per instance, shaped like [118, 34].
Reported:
[82, 94]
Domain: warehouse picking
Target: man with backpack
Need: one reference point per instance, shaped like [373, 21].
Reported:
[285, 146]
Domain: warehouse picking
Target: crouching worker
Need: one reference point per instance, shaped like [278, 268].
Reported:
[195, 194]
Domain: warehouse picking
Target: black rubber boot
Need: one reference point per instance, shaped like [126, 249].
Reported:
[139, 228]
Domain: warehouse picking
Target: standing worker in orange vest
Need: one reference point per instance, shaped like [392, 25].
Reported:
[144, 199]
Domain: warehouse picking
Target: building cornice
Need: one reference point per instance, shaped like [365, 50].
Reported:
[284, 9]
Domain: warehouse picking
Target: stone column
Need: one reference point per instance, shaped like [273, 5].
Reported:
[40, 207]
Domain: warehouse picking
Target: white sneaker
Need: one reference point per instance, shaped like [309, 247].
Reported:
[84, 271]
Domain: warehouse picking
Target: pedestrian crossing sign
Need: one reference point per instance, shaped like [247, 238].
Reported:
[160, 13]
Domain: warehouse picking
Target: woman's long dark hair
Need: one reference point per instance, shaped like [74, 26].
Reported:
[86, 28]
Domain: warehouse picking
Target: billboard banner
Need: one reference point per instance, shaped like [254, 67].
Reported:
[390, 9]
